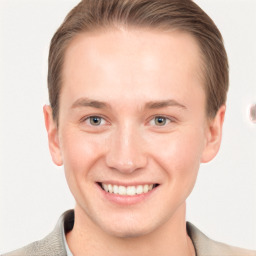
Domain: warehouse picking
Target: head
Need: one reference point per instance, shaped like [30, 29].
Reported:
[137, 91]
[164, 15]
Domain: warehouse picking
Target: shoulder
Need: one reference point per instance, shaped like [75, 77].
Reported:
[51, 245]
[48, 246]
[207, 247]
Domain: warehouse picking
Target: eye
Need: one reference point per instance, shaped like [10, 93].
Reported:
[95, 120]
[160, 121]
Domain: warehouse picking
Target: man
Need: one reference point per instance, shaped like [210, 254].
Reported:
[137, 101]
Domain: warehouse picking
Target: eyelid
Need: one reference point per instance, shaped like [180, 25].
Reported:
[168, 118]
[86, 118]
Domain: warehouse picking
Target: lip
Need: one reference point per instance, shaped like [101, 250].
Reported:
[126, 184]
[124, 199]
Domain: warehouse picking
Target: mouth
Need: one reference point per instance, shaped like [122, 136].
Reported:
[127, 190]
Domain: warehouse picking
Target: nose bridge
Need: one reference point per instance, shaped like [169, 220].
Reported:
[126, 151]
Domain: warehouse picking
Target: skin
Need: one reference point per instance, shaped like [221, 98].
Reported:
[134, 73]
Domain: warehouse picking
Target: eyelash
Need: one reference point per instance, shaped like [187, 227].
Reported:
[89, 118]
[167, 120]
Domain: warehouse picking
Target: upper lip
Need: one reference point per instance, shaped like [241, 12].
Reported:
[127, 184]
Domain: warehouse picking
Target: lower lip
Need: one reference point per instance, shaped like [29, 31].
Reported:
[126, 200]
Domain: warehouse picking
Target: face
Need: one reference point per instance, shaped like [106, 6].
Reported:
[132, 127]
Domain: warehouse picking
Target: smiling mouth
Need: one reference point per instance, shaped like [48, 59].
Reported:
[127, 190]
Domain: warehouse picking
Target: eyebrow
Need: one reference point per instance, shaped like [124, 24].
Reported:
[86, 102]
[164, 103]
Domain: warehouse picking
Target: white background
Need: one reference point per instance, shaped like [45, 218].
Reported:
[33, 192]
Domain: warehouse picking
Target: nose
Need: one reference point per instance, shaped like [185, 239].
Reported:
[126, 151]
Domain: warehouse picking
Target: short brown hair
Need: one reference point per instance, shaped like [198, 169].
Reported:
[184, 15]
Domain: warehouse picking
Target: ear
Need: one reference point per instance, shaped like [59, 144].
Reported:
[213, 135]
[53, 139]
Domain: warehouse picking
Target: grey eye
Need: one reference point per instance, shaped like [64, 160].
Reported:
[160, 120]
[95, 120]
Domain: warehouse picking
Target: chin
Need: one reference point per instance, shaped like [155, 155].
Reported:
[128, 232]
[128, 229]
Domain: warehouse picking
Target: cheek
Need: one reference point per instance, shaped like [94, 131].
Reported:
[80, 151]
[179, 154]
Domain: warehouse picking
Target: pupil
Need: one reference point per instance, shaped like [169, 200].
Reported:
[95, 120]
[160, 120]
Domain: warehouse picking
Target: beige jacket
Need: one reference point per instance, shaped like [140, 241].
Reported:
[53, 244]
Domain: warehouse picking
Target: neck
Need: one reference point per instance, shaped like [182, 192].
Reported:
[169, 239]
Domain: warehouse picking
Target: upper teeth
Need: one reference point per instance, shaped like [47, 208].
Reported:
[130, 190]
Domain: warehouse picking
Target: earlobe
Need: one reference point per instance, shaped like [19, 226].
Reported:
[213, 136]
[53, 139]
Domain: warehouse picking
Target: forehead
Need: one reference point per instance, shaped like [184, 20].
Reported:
[138, 62]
